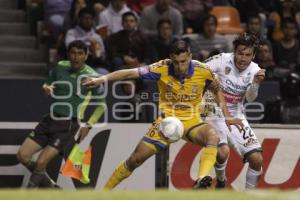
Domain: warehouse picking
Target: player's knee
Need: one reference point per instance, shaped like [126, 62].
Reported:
[255, 161]
[134, 161]
[223, 153]
[212, 137]
[23, 157]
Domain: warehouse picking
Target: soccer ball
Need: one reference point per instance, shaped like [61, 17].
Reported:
[171, 128]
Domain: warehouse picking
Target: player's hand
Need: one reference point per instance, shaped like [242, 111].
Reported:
[260, 76]
[83, 132]
[235, 122]
[90, 82]
[48, 89]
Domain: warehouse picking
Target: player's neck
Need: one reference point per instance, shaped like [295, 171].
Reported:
[73, 69]
[239, 69]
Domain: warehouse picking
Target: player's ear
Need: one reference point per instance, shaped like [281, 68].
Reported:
[172, 56]
[190, 55]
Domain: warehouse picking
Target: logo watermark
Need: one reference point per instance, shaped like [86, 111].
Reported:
[124, 109]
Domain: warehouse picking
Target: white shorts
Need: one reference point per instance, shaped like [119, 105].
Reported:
[244, 142]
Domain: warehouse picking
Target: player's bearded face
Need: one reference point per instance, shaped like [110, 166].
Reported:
[243, 56]
[181, 63]
[77, 58]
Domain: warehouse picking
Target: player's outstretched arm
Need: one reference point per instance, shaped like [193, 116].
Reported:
[114, 76]
[214, 87]
[252, 90]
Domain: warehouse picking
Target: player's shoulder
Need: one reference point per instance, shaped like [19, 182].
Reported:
[88, 70]
[218, 56]
[254, 67]
[162, 64]
[201, 66]
[63, 65]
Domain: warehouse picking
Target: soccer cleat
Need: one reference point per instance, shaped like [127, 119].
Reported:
[221, 184]
[47, 182]
[32, 185]
[203, 183]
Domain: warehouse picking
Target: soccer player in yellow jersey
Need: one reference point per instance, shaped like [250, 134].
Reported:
[181, 84]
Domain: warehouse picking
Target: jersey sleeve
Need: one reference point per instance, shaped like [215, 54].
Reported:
[214, 63]
[255, 69]
[151, 72]
[210, 76]
[209, 79]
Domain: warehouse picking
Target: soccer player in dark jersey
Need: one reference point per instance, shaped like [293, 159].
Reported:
[181, 84]
[58, 127]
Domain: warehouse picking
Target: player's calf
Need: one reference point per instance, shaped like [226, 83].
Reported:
[220, 174]
[254, 170]
[220, 165]
[134, 162]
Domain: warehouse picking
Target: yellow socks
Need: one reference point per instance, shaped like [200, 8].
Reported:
[120, 173]
[207, 161]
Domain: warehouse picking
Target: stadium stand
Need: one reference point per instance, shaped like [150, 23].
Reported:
[19, 55]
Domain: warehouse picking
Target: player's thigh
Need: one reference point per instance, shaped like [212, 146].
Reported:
[40, 133]
[28, 148]
[46, 155]
[154, 139]
[197, 131]
[62, 132]
[221, 129]
[244, 141]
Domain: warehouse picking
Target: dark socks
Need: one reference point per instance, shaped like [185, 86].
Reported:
[39, 178]
[42, 180]
[36, 179]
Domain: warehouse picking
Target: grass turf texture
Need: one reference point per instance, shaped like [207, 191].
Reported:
[16, 194]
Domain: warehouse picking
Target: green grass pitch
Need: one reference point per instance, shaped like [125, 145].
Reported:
[19, 194]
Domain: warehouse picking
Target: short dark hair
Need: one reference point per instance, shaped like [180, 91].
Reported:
[86, 10]
[267, 43]
[179, 46]
[163, 21]
[79, 44]
[209, 17]
[246, 39]
[253, 16]
[129, 13]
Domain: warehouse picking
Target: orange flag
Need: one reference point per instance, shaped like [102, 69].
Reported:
[78, 164]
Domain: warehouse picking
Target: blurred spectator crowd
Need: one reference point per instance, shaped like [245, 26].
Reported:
[130, 33]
